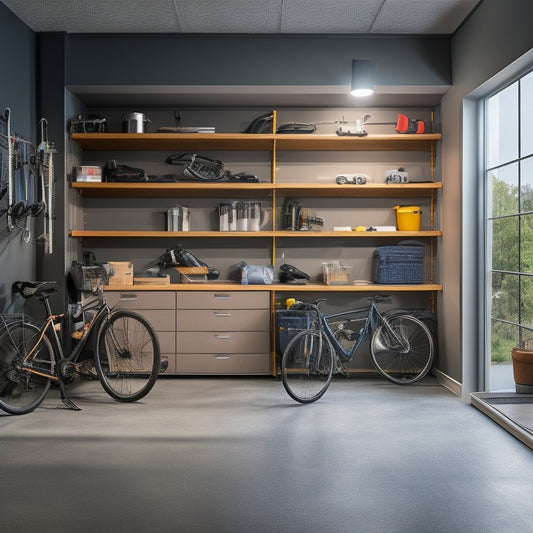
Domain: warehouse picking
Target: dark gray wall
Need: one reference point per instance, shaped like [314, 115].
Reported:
[253, 60]
[17, 91]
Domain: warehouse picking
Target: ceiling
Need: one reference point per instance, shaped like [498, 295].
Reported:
[244, 16]
[341, 17]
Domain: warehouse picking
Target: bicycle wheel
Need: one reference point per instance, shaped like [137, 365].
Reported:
[127, 356]
[403, 350]
[307, 366]
[21, 390]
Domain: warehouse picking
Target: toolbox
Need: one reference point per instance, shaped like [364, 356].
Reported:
[398, 265]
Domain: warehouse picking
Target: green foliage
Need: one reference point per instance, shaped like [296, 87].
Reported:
[512, 253]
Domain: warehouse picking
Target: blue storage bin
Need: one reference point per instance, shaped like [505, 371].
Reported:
[289, 323]
[398, 265]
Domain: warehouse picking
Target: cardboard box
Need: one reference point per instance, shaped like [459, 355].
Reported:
[123, 273]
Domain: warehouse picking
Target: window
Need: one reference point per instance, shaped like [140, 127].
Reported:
[509, 221]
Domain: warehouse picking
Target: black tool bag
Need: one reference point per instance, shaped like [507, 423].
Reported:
[296, 127]
[261, 124]
[198, 167]
[113, 172]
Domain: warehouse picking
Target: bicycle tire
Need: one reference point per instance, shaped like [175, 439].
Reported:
[21, 391]
[402, 364]
[313, 348]
[127, 356]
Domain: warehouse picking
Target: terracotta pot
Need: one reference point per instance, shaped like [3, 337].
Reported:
[523, 369]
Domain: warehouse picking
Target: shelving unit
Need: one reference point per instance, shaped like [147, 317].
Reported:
[275, 191]
[262, 142]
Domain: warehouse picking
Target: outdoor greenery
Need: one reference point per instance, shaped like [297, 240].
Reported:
[511, 227]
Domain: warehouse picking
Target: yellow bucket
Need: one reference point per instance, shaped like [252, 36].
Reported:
[408, 217]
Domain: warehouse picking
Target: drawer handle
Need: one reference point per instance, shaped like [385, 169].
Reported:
[222, 296]
[222, 336]
[126, 296]
[222, 314]
[220, 356]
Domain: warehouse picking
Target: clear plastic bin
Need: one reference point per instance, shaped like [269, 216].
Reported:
[335, 273]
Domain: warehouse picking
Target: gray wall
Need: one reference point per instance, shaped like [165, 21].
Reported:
[253, 60]
[495, 35]
[17, 91]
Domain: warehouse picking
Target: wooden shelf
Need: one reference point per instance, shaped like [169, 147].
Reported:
[252, 141]
[278, 287]
[252, 190]
[370, 190]
[253, 234]
[178, 190]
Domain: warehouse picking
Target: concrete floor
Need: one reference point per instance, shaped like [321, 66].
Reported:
[237, 455]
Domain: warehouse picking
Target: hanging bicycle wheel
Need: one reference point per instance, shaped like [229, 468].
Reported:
[307, 366]
[402, 349]
[22, 390]
[127, 356]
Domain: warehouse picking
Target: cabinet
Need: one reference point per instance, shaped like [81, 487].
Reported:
[160, 310]
[271, 238]
[223, 332]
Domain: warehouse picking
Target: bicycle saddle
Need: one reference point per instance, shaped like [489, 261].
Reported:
[27, 289]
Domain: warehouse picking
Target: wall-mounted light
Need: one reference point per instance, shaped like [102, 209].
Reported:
[362, 77]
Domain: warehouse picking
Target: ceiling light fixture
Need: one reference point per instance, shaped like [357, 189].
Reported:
[362, 77]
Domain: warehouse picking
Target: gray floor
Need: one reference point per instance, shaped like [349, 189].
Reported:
[237, 455]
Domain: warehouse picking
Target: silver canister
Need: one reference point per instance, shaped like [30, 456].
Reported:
[178, 218]
[225, 216]
[134, 122]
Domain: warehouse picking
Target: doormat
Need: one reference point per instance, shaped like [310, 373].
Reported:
[514, 412]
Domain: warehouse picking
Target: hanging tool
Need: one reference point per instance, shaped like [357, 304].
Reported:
[46, 152]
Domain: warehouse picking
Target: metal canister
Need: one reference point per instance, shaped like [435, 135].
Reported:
[134, 122]
[178, 218]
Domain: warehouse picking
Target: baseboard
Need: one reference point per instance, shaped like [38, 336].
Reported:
[448, 382]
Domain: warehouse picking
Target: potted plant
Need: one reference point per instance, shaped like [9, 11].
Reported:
[522, 356]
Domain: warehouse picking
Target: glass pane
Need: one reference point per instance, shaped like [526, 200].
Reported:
[526, 244]
[526, 185]
[504, 337]
[526, 302]
[505, 244]
[504, 190]
[504, 300]
[526, 115]
[502, 126]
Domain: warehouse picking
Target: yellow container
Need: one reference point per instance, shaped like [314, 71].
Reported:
[407, 217]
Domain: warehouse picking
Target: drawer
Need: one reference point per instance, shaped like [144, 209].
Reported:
[161, 319]
[223, 342]
[167, 341]
[224, 320]
[230, 363]
[224, 300]
[142, 299]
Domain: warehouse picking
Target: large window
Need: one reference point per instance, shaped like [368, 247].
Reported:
[509, 209]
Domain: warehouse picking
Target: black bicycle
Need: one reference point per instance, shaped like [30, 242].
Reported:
[122, 345]
[401, 347]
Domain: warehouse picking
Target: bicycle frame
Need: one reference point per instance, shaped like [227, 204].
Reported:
[57, 345]
[374, 319]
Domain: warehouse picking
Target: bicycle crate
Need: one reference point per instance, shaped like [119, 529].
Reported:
[398, 264]
[88, 277]
[289, 322]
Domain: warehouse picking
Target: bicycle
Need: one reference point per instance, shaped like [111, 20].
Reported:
[125, 352]
[401, 347]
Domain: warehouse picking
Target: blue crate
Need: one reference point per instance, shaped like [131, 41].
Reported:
[398, 265]
[290, 322]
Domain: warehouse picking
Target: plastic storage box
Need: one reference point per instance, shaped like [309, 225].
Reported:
[398, 265]
[289, 322]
